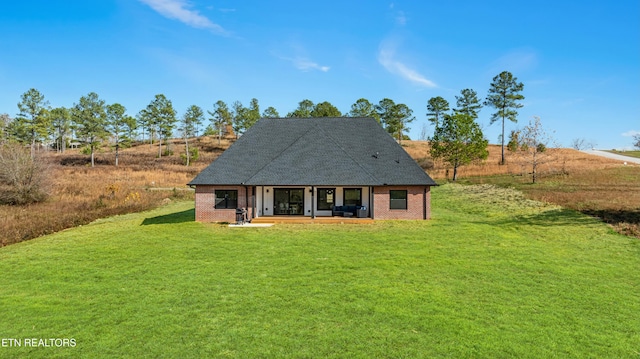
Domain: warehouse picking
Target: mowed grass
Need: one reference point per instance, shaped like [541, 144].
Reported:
[493, 275]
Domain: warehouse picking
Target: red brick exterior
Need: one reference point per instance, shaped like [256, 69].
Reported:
[206, 198]
[418, 203]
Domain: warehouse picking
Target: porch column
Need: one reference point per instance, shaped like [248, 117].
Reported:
[253, 202]
[246, 197]
[313, 206]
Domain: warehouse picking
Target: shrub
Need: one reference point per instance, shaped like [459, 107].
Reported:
[167, 152]
[85, 150]
[23, 179]
[541, 147]
[425, 163]
[194, 155]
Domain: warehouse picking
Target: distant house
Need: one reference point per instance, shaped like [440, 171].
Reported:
[314, 167]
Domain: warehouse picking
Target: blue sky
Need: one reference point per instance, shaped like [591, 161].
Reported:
[579, 60]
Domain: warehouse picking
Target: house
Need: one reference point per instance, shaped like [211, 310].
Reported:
[313, 167]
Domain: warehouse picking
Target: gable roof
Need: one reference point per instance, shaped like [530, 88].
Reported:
[314, 151]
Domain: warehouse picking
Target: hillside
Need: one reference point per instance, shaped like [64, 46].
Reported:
[81, 194]
[558, 161]
[597, 186]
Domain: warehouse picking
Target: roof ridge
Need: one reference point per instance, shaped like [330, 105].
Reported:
[275, 157]
[347, 152]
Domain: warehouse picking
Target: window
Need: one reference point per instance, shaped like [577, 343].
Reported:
[226, 199]
[288, 201]
[353, 196]
[326, 198]
[397, 199]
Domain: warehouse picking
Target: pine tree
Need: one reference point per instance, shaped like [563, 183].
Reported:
[91, 121]
[458, 140]
[504, 94]
[33, 123]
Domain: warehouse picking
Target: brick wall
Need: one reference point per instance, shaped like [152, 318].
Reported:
[206, 199]
[418, 204]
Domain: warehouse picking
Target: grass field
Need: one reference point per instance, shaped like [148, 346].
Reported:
[81, 194]
[611, 194]
[597, 186]
[627, 153]
[493, 275]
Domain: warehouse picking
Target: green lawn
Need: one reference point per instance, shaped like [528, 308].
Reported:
[493, 275]
[627, 153]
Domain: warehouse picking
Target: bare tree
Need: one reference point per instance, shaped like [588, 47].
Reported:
[636, 141]
[23, 179]
[532, 142]
[579, 144]
[423, 132]
[5, 122]
[583, 144]
[187, 128]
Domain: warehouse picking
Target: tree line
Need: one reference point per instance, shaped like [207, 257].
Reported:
[91, 121]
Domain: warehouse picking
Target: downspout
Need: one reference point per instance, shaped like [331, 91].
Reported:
[313, 205]
[424, 204]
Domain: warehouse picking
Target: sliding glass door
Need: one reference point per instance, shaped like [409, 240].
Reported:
[288, 201]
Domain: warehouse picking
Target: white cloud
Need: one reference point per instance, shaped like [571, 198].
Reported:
[298, 56]
[386, 57]
[179, 10]
[631, 133]
[305, 64]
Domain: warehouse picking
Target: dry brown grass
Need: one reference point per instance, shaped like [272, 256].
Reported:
[594, 185]
[611, 193]
[82, 194]
[556, 161]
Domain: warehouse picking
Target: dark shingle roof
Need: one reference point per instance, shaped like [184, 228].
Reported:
[314, 151]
